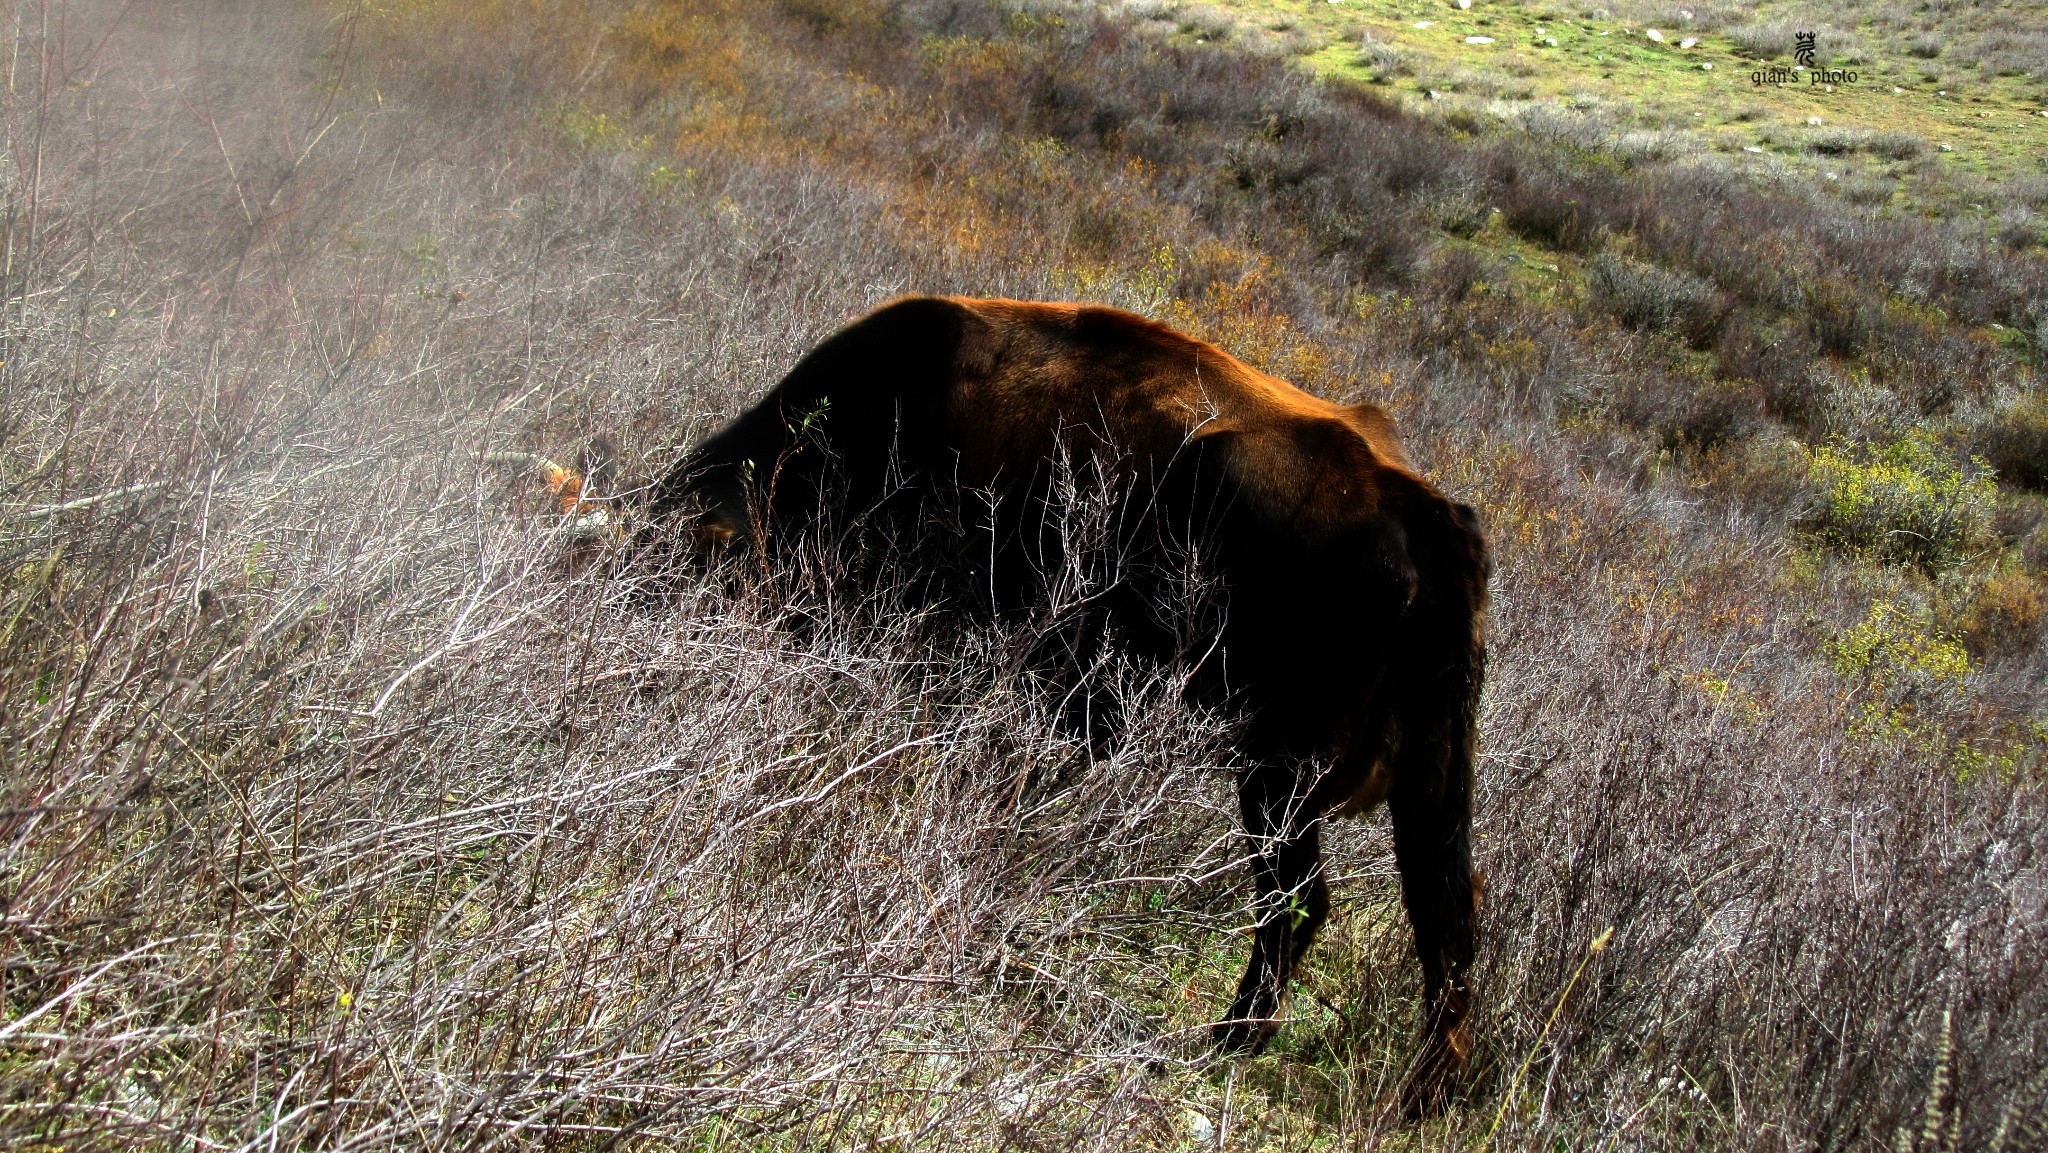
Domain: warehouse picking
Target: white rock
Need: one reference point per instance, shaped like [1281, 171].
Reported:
[1688, 42]
[1552, 41]
[1435, 95]
[1655, 35]
[1686, 13]
[1200, 1127]
[1464, 4]
[1478, 39]
[1945, 148]
[1751, 148]
[1543, 32]
[1815, 120]
[1423, 24]
[1896, 90]
[1706, 67]
[1833, 175]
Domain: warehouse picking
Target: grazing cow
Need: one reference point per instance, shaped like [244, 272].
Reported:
[1352, 591]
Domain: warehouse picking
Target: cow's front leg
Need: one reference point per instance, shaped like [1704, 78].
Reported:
[1292, 901]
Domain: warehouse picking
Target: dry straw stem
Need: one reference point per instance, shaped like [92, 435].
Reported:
[1513, 1093]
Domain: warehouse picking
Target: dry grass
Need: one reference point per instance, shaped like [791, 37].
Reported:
[341, 811]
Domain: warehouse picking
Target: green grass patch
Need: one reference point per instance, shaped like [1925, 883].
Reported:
[1956, 133]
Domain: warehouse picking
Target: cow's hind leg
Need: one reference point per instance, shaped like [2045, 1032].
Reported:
[1432, 817]
[1292, 902]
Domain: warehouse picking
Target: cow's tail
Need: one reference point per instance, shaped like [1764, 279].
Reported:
[1434, 776]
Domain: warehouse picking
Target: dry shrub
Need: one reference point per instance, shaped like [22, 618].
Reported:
[1387, 61]
[1765, 474]
[1460, 210]
[1706, 413]
[1841, 316]
[1644, 296]
[1905, 502]
[2015, 441]
[1775, 39]
[1549, 211]
[2011, 52]
[1844, 141]
[1783, 360]
[1205, 20]
[1867, 188]
[2005, 616]
[2019, 228]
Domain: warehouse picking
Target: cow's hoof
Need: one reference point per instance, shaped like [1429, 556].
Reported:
[1423, 1100]
[1428, 1092]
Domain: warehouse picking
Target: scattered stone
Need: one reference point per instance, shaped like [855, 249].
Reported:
[1897, 90]
[1813, 120]
[1478, 39]
[1434, 95]
[1423, 24]
[1464, 4]
[1655, 35]
[1944, 148]
[1833, 175]
[1751, 148]
[1706, 67]
[1688, 42]
[1552, 41]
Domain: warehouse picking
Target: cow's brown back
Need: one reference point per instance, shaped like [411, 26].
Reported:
[1029, 369]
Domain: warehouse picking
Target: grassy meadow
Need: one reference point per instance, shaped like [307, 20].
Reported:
[346, 804]
[1946, 114]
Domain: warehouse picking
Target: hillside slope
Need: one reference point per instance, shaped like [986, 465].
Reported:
[346, 806]
[1938, 108]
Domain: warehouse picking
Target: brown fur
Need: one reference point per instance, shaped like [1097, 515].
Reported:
[1352, 639]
